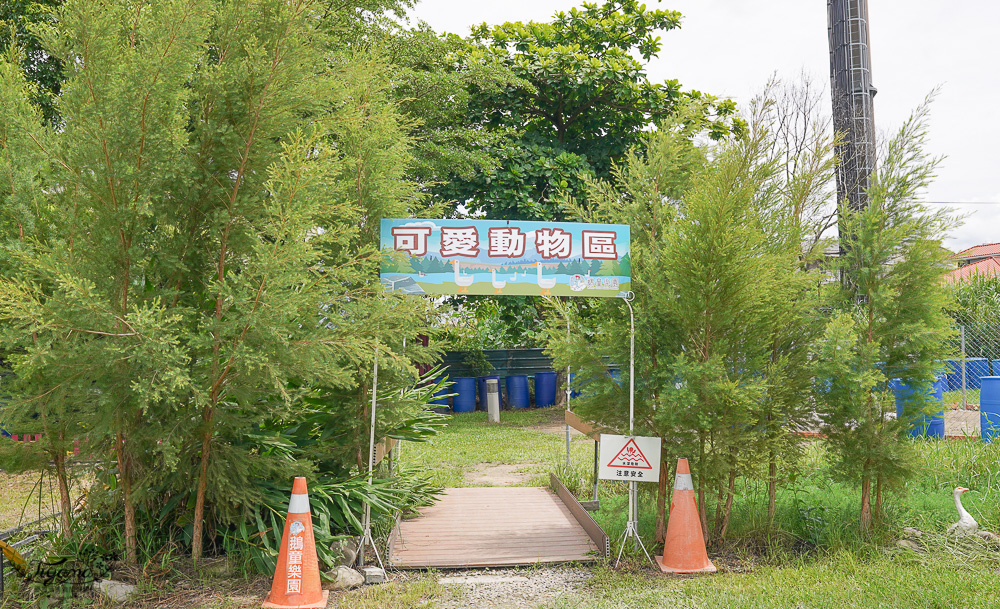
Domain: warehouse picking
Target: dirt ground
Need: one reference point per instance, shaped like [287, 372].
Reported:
[20, 501]
[502, 474]
[555, 425]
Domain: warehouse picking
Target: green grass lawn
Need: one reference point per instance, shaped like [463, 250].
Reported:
[816, 558]
[25, 497]
[839, 580]
[470, 441]
[813, 557]
[954, 398]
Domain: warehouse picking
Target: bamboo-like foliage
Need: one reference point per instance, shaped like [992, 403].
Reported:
[724, 306]
[210, 205]
[889, 320]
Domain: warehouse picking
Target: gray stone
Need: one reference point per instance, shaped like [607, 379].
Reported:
[346, 577]
[118, 592]
[216, 567]
[910, 545]
[346, 549]
[471, 580]
[515, 588]
[373, 575]
[912, 533]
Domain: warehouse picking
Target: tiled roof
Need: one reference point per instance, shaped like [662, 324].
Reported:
[978, 251]
[989, 266]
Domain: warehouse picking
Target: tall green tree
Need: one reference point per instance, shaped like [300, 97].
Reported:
[213, 201]
[577, 100]
[977, 307]
[723, 317]
[18, 22]
[890, 320]
[435, 81]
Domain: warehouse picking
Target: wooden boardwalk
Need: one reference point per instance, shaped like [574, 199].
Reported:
[491, 527]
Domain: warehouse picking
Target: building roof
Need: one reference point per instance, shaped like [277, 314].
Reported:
[979, 251]
[988, 266]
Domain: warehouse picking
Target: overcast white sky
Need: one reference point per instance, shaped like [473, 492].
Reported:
[731, 47]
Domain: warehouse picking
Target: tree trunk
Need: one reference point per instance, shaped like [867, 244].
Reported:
[718, 511]
[661, 500]
[729, 504]
[125, 475]
[199, 502]
[65, 506]
[877, 513]
[702, 513]
[772, 488]
[866, 508]
[363, 398]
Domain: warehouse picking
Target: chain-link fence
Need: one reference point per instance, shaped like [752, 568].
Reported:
[978, 346]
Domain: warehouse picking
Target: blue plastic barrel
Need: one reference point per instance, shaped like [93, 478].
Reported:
[482, 388]
[996, 367]
[465, 401]
[945, 379]
[573, 392]
[975, 369]
[989, 408]
[517, 391]
[444, 390]
[545, 389]
[954, 373]
[922, 425]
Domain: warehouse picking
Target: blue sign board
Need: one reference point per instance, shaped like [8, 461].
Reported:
[506, 257]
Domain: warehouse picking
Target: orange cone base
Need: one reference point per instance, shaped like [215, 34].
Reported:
[318, 605]
[667, 569]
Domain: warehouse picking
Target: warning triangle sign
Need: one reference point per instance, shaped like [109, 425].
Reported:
[630, 457]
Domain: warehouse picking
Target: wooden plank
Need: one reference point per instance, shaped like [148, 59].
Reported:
[594, 530]
[585, 427]
[537, 554]
[502, 542]
[383, 447]
[500, 532]
[473, 564]
[491, 526]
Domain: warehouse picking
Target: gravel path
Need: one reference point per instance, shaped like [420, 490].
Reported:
[511, 588]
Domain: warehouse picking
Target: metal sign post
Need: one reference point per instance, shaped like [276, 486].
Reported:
[632, 526]
[366, 536]
[569, 393]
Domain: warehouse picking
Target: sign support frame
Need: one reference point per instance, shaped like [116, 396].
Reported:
[366, 536]
[569, 394]
[632, 524]
[597, 443]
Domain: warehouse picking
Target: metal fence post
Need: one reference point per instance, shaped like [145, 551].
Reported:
[965, 400]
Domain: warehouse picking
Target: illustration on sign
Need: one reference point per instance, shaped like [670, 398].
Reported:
[506, 257]
[632, 458]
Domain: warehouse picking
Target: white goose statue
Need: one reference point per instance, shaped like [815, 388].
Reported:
[546, 283]
[462, 281]
[497, 285]
[966, 524]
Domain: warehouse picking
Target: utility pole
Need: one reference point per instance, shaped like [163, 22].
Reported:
[853, 114]
[852, 92]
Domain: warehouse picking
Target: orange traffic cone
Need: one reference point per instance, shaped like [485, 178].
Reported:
[684, 548]
[296, 578]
